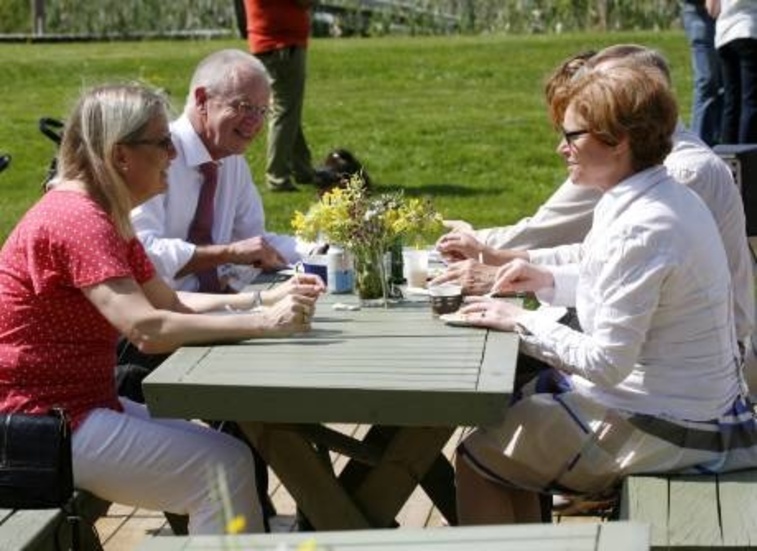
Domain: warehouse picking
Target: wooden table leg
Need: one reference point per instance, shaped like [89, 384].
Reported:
[406, 460]
[438, 482]
[439, 485]
[374, 496]
[303, 472]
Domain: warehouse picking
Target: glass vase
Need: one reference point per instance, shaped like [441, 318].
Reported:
[370, 277]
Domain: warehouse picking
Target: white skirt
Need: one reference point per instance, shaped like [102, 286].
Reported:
[562, 441]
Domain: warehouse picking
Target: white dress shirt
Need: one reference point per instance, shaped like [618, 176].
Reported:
[566, 217]
[162, 223]
[653, 297]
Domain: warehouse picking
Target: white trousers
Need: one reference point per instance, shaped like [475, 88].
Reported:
[167, 465]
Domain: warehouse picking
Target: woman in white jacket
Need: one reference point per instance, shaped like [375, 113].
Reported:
[652, 382]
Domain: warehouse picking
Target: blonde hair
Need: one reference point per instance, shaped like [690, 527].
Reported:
[104, 117]
[629, 102]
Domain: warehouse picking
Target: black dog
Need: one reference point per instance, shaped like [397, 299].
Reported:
[338, 167]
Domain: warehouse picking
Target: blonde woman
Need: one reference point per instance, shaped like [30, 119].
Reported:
[73, 277]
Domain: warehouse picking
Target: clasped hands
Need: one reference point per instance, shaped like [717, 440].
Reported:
[290, 306]
[482, 282]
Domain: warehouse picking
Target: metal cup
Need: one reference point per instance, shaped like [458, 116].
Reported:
[445, 298]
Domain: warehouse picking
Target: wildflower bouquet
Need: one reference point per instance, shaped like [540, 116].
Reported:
[367, 226]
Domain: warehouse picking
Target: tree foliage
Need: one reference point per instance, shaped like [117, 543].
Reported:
[15, 16]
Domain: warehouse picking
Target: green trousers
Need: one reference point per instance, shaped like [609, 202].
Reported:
[288, 154]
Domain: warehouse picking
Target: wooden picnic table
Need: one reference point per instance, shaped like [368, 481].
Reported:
[405, 373]
[611, 536]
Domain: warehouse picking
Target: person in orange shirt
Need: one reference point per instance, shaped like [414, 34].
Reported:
[277, 34]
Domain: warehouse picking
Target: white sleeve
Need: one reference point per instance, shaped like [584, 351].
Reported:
[249, 221]
[169, 255]
[626, 290]
[563, 293]
[564, 218]
[556, 256]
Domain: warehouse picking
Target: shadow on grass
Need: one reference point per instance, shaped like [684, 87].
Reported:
[436, 190]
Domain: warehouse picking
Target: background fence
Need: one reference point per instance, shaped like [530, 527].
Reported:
[337, 17]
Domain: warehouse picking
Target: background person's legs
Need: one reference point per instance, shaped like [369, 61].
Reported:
[288, 154]
[747, 52]
[706, 109]
[729, 132]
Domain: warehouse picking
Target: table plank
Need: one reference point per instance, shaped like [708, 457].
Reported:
[615, 536]
[344, 371]
[693, 517]
[739, 507]
[636, 504]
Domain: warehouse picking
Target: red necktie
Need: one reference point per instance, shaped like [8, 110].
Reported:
[201, 228]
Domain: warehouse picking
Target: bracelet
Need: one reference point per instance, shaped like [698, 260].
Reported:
[257, 300]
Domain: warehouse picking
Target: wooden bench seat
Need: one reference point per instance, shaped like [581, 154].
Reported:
[606, 536]
[694, 512]
[48, 529]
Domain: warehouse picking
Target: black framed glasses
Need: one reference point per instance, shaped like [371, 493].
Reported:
[247, 109]
[165, 142]
[571, 136]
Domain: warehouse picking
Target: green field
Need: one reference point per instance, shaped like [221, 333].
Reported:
[460, 119]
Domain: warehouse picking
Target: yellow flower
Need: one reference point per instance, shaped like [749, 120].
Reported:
[352, 218]
[236, 525]
[308, 545]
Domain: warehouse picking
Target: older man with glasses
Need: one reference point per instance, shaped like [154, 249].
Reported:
[211, 221]
[207, 232]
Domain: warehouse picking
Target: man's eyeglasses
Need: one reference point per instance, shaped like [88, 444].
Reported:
[246, 109]
[163, 143]
[570, 137]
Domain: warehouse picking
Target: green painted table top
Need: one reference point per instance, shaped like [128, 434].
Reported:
[395, 365]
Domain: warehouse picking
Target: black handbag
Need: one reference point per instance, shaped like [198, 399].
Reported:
[35, 461]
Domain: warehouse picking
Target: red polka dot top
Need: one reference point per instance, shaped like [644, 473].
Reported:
[56, 349]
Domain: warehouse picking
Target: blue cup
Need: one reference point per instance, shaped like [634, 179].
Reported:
[317, 267]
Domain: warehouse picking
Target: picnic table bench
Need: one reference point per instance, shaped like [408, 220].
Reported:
[49, 529]
[694, 511]
[408, 375]
[609, 536]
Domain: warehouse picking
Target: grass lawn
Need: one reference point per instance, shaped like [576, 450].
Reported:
[461, 119]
